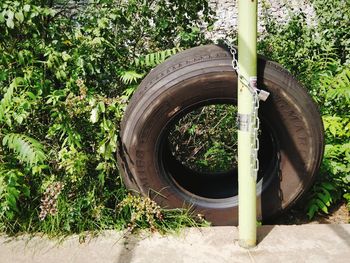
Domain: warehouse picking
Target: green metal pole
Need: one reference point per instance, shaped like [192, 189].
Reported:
[247, 63]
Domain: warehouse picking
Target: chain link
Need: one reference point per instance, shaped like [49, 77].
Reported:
[254, 118]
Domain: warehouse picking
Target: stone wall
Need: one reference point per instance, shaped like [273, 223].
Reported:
[226, 14]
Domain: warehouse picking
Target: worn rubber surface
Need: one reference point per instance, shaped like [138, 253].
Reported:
[291, 138]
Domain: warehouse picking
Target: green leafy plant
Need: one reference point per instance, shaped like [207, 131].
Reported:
[321, 62]
[67, 71]
[12, 188]
[140, 213]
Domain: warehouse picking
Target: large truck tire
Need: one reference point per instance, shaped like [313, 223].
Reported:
[291, 137]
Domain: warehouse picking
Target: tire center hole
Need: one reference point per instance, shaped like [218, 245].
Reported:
[205, 140]
[199, 152]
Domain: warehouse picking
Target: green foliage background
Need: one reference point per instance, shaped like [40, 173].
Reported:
[318, 54]
[67, 70]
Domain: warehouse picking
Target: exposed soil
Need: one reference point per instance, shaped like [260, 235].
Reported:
[338, 214]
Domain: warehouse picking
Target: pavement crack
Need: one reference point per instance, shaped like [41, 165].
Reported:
[251, 256]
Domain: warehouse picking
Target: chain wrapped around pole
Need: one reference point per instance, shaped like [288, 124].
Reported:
[254, 121]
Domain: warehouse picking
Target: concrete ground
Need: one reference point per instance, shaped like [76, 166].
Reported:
[303, 243]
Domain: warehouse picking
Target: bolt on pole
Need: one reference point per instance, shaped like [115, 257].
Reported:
[247, 64]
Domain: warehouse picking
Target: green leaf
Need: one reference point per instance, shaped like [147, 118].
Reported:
[130, 76]
[153, 59]
[19, 119]
[102, 149]
[101, 178]
[347, 196]
[65, 56]
[100, 166]
[322, 205]
[11, 200]
[27, 149]
[13, 191]
[328, 186]
[94, 115]
[10, 215]
[31, 95]
[5, 104]
[19, 16]
[26, 191]
[312, 210]
[326, 199]
[10, 14]
[2, 17]
[9, 23]
[129, 91]
[26, 8]
[101, 106]
[63, 74]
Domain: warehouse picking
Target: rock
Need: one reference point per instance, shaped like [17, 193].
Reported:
[226, 14]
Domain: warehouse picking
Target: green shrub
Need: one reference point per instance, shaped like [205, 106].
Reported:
[319, 56]
[67, 70]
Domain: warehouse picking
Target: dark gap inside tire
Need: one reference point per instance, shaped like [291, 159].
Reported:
[217, 178]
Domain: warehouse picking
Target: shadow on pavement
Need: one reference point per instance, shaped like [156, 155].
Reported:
[262, 232]
[341, 232]
[128, 244]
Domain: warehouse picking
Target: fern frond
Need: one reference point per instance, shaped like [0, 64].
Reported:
[27, 149]
[130, 76]
[145, 62]
[129, 90]
[154, 59]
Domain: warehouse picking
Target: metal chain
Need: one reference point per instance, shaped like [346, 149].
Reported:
[254, 118]
[255, 121]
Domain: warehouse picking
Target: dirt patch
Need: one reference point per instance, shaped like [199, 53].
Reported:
[338, 214]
